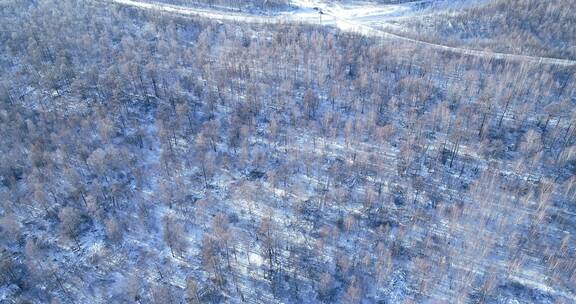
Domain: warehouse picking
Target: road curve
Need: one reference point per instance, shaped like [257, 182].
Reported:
[331, 17]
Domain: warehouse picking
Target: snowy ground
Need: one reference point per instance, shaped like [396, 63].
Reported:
[366, 18]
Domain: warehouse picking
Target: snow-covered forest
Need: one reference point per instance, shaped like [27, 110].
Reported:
[532, 27]
[149, 157]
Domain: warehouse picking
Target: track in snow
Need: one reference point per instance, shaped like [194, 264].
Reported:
[356, 19]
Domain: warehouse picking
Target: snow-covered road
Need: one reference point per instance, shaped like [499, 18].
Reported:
[358, 18]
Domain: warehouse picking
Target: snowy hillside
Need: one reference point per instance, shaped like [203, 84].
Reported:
[274, 152]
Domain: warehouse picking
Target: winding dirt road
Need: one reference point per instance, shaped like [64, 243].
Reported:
[356, 19]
